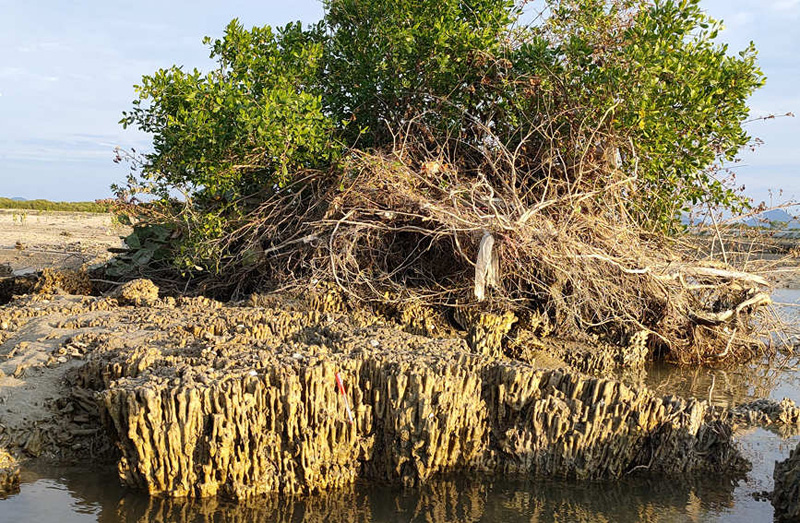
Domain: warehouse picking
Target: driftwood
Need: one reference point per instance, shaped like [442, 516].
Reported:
[717, 318]
[487, 267]
[726, 274]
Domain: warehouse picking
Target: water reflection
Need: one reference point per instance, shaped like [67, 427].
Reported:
[75, 495]
[774, 378]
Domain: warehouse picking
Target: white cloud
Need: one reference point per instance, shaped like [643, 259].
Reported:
[43, 46]
[18, 74]
[11, 72]
[786, 5]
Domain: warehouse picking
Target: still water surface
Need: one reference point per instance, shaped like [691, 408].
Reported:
[77, 495]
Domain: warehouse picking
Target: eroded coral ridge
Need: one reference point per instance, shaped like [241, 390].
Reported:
[240, 419]
[786, 495]
[209, 399]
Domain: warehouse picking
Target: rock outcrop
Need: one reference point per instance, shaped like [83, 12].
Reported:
[207, 399]
[140, 292]
[247, 405]
[9, 474]
[783, 415]
[786, 495]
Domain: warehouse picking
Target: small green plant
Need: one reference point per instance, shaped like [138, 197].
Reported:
[147, 246]
[20, 217]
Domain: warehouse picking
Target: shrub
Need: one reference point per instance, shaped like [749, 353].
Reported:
[242, 127]
[648, 80]
[392, 62]
[47, 205]
[379, 147]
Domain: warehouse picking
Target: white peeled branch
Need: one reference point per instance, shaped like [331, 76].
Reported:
[487, 267]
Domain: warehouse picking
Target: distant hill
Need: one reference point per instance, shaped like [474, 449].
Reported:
[18, 199]
[778, 218]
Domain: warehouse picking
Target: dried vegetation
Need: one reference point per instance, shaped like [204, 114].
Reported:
[464, 236]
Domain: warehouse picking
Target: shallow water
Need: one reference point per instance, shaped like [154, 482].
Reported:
[83, 495]
[75, 495]
[776, 378]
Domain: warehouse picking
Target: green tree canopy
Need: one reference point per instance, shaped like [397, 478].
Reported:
[635, 94]
[243, 127]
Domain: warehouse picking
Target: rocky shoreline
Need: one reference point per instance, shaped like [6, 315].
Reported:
[272, 422]
[195, 398]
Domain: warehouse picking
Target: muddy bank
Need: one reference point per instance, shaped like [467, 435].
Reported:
[33, 240]
[206, 399]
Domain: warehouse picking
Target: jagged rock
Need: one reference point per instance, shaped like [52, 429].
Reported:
[140, 292]
[9, 473]
[46, 282]
[54, 281]
[487, 330]
[327, 298]
[259, 412]
[418, 319]
[784, 415]
[598, 358]
[786, 495]
[206, 399]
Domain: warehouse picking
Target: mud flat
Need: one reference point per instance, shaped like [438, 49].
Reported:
[205, 399]
[33, 240]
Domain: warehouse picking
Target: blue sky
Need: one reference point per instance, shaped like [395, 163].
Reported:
[67, 69]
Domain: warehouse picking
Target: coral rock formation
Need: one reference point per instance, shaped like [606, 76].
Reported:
[208, 399]
[9, 473]
[767, 412]
[786, 496]
[54, 281]
[137, 292]
[249, 407]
